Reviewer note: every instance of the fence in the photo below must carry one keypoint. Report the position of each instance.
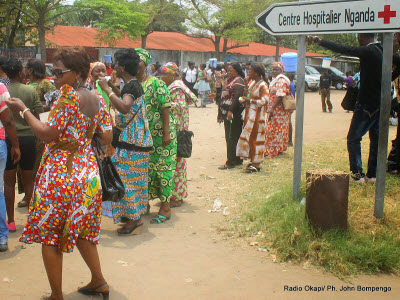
(22, 54)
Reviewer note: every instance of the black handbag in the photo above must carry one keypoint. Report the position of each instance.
(184, 143)
(113, 188)
(350, 99)
(116, 132)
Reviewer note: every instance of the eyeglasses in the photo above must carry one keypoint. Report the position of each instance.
(58, 73)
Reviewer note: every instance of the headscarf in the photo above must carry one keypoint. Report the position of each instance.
(92, 66)
(171, 68)
(279, 64)
(144, 55)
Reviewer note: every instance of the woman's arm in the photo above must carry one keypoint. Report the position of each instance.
(7, 119)
(105, 137)
(166, 140)
(122, 105)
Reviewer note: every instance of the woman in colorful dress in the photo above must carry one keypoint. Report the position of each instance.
(203, 85)
(66, 207)
(230, 112)
(252, 140)
(135, 143)
(181, 97)
(277, 134)
(162, 127)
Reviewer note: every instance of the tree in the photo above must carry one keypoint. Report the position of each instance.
(117, 19)
(41, 15)
(221, 21)
(163, 15)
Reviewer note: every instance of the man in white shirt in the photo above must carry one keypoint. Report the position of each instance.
(190, 76)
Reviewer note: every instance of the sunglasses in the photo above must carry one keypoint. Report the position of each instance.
(58, 73)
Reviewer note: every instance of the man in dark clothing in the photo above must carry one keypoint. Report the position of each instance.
(393, 163)
(325, 82)
(366, 112)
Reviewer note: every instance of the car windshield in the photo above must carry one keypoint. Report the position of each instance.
(336, 71)
(312, 70)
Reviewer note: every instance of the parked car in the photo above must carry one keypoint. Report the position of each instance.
(312, 77)
(338, 77)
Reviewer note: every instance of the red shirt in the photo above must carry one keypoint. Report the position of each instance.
(109, 71)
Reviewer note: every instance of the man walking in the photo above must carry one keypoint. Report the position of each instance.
(190, 76)
(325, 83)
(366, 112)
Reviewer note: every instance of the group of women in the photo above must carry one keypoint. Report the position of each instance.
(67, 202)
(264, 130)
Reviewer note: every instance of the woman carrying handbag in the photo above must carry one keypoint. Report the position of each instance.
(133, 145)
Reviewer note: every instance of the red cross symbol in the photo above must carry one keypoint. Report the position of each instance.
(386, 14)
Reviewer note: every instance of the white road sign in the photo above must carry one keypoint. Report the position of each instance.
(336, 16)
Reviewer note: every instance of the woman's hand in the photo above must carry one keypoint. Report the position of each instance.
(230, 116)
(270, 115)
(103, 83)
(15, 104)
(166, 140)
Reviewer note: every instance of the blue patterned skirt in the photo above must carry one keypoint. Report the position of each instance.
(132, 167)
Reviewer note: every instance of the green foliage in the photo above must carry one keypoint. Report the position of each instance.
(164, 15)
(118, 18)
(224, 19)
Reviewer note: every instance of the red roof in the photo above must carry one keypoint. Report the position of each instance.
(86, 37)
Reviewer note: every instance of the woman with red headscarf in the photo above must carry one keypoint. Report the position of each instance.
(276, 137)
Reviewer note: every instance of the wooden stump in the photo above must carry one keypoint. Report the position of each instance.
(327, 199)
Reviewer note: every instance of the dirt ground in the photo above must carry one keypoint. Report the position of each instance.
(186, 258)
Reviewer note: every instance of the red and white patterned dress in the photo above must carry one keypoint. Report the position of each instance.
(181, 97)
(277, 134)
(66, 202)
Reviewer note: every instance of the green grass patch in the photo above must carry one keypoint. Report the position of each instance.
(278, 223)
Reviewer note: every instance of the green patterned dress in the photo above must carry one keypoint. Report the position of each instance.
(162, 159)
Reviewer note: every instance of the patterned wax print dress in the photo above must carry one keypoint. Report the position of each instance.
(132, 158)
(181, 97)
(162, 159)
(252, 139)
(66, 202)
(277, 134)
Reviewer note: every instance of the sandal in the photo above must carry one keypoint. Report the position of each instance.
(23, 203)
(91, 292)
(252, 169)
(132, 230)
(226, 167)
(159, 219)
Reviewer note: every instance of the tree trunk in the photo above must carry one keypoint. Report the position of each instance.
(278, 46)
(217, 42)
(42, 34)
(13, 33)
(144, 40)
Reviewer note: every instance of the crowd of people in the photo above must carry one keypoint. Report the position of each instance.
(47, 129)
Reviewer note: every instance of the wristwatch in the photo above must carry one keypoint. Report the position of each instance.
(22, 113)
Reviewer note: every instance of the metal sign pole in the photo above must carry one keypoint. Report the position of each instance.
(298, 142)
(386, 87)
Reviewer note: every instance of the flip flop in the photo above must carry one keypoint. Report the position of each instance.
(252, 169)
(91, 292)
(133, 230)
(160, 219)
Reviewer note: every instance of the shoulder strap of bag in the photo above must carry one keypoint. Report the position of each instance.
(134, 115)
